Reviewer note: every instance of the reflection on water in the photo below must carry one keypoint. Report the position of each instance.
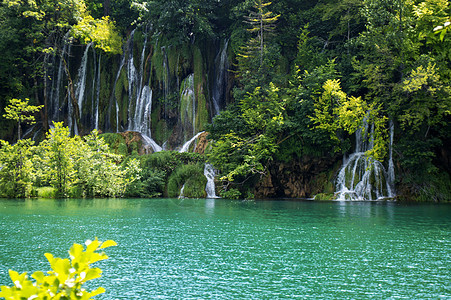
(216, 248)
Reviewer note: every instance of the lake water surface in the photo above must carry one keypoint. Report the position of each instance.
(215, 248)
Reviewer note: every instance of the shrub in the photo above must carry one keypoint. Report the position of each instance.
(65, 280)
(46, 192)
(192, 176)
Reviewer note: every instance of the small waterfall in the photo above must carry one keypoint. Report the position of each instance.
(360, 177)
(220, 81)
(181, 196)
(188, 104)
(210, 188)
(185, 146)
(391, 167)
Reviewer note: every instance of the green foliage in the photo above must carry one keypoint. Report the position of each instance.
(57, 158)
(324, 197)
(178, 21)
(46, 192)
(116, 143)
(76, 167)
(16, 169)
(192, 177)
(21, 112)
(426, 99)
(99, 174)
(102, 32)
(67, 278)
(246, 152)
(230, 194)
(158, 169)
(335, 111)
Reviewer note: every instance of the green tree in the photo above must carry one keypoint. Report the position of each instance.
(34, 32)
(58, 158)
(262, 22)
(335, 111)
(16, 169)
(21, 112)
(98, 171)
(179, 21)
(247, 151)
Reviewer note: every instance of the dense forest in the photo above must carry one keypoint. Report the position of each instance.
(285, 99)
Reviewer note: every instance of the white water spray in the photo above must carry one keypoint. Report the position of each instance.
(363, 178)
(210, 188)
(185, 146)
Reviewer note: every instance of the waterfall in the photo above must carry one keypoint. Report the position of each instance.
(96, 115)
(188, 103)
(210, 188)
(80, 86)
(185, 146)
(391, 167)
(220, 81)
(181, 196)
(150, 142)
(133, 82)
(69, 95)
(140, 98)
(361, 177)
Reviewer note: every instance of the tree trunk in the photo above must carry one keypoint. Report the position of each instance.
(106, 8)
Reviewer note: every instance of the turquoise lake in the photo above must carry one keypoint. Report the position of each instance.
(223, 249)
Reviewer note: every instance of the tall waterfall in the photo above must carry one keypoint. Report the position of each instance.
(54, 106)
(220, 81)
(140, 97)
(210, 188)
(218, 98)
(391, 166)
(361, 177)
(97, 95)
(188, 103)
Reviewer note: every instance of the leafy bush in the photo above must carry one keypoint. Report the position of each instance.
(151, 184)
(16, 171)
(230, 194)
(65, 280)
(192, 176)
(46, 192)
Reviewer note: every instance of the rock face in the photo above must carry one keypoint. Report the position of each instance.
(299, 179)
(166, 93)
(134, 142)
(202, 143)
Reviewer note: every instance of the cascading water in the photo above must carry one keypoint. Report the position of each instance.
(185, 146)
(361, 177)
(181, 196)
(97, 100)
(391, 167)
(80, 86)
(57, 81)
(220, 81)
(188, 104)
(140, 98)
(218, 98)
(210, 188)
